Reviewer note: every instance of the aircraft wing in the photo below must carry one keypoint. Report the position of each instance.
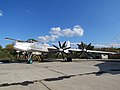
(102, 52)
(42, 49)
(52, 49)
(75, 50)
(92, 51)
(37, 50)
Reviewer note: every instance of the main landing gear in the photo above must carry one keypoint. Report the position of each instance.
(29, 61)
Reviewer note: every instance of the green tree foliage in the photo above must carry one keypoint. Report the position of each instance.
(8, 52)
(9, 48)
(2, 53)
(0, 47)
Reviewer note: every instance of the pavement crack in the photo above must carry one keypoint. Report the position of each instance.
(45, 85)
(57, 72)
(57, 78)
(25, 83)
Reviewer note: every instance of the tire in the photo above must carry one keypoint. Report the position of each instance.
(69, 59)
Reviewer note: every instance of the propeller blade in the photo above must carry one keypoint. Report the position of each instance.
(82, 45)
(88, 46)
(89, 54)
(64, 44)
(80, 54)
(62, 56)
(57, 54)
(59, 44)
(65, 53)
(56, 47)
(79, 47)
(66, 48)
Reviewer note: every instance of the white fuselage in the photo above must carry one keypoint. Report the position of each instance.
(30, 47)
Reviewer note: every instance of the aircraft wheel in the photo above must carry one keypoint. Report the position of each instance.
(69, 59)
(30, 61)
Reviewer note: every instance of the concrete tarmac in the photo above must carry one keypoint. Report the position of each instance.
(82, 75)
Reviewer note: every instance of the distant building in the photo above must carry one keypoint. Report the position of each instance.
(104, 56)
(101, 56)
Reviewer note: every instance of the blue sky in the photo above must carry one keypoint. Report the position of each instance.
(24, 19)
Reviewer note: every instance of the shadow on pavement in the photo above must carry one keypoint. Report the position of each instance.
(12, 61)
(112, 67)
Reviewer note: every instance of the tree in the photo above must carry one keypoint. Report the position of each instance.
(0, 47)
(9, 47)
(9, 50)
(2, 53)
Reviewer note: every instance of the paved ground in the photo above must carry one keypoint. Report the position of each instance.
(82, 75)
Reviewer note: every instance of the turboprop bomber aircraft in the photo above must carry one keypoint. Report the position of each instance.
(34, 47)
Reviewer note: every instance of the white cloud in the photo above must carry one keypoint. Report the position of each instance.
(1, 13)
(75, 31)
(58, 32)
(47, 38)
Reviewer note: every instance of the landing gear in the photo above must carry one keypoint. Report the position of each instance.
(29, 61)
(39, 58)
(69, 59)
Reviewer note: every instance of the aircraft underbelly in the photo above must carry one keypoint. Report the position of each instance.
(20, 48)
(39, 49)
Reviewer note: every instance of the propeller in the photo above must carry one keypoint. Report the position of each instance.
(84, 49)
(61, 49)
